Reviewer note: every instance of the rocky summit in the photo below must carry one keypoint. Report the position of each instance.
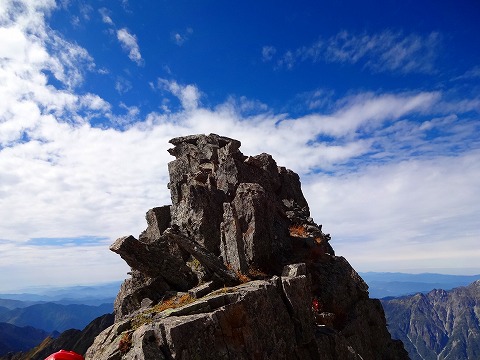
(236, 268)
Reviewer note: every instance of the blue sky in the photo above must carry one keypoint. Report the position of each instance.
(375, 105)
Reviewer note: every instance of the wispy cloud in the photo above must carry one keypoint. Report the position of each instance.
(386, 51)
(122, 85)
(125, 4)
(105, 13)
(317, 99)
(85, 10)
(470, 74)
(268, 52)
(131, 116)
(189, 95)
(129, 44)
(127, 40)
(180, 38)
(75, 21)
(69, 62)
(75, 241)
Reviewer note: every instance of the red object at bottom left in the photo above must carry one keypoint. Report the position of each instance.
(65, 355)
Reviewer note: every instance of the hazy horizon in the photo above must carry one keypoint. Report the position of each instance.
(40, 289)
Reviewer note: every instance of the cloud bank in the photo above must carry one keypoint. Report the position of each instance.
(392, 176)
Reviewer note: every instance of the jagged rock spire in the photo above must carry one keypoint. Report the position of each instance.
(241, 209)
(238, 219)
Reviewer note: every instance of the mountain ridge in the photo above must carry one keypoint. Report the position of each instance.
(72, 339)
(78, 294)
(385, 284)
(15, 338)
(439, 324)
(54, 317)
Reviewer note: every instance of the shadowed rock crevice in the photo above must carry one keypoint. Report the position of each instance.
(236, 268)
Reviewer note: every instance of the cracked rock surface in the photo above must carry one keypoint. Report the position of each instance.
(236, 268)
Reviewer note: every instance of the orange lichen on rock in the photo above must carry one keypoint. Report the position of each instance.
(298, 231)
(125, 342)
(174, 302)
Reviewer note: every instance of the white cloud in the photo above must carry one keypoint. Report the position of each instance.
(122, 85)
(49, 266)
(388, 198)
(80, 180)
(75, 21)
(288, 60)
(27, 55)
(179, 38)
(419, 213)
(106, 16)
(70, 61)
(386, 51)
(189, 95)
(129, 44)
(26, 14)
(25, 49)
(268, 52)
(318, 99)
(470, 74)
(85, 10)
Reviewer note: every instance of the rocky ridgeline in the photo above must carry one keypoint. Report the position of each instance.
(236, 268)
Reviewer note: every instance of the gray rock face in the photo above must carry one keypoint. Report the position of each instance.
(237, 207)
(235, 268)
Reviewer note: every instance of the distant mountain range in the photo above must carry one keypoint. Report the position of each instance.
(27, 318)
(54, 317)
(383, 284)
(438, 325)
(39, 315)
(73, 339)
(24, 326)
(87, 295)
(14, 338)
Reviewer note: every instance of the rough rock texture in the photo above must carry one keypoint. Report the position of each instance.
(235, 268)
(438, 325)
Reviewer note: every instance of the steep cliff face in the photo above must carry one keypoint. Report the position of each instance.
(236, 268)
(438, 325)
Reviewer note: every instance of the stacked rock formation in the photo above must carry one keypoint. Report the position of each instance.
(236, 268)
